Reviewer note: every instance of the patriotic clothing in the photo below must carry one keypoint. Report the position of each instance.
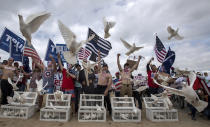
(68, 82)
(150, 80)
(117, 84)
(48, 77)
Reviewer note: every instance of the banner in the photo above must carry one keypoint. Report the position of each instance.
(60, 49)
(17, 44)
(51, 50)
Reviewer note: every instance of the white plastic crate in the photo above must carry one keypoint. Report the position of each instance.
(60, 115)
(162, 115)
(92, 115)
(160, 104)
(30, 99)
(64, 102)
(91, 108)
(17, 111)
(124, 110)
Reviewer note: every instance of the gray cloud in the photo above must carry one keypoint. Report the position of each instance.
(137, 21)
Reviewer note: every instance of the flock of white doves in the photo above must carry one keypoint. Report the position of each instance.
(34, 21)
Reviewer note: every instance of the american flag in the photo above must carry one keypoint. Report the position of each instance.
(83, 54)
(30, 51)
(97, 44)
(160, 50)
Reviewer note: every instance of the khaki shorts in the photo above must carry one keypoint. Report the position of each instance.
(126, 89)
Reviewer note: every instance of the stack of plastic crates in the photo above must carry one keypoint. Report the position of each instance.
(124, 110)
(23, 110)
(56, 109)
(159, 111)
(91, 108)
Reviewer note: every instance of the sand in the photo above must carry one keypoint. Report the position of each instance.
(184, 121)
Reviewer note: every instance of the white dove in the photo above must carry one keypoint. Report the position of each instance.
(142, 88)
(98, 108)
(124, 116)
(87, 69)
(174, 33)
(189, 94)
(32, 24)
(52, 106)
(131, 48)
(14, 85)
(107, 25)
(58, 95)
(16, 97)
(40, 87)
(73, 46)
(87, 116)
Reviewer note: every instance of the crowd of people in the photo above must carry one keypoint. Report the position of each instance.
(100, 81)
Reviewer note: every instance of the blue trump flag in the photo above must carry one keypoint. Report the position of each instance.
(169, 60)
(51, 50)
(60, 49)
(13, 44)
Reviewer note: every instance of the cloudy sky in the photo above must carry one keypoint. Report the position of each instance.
(137, 21)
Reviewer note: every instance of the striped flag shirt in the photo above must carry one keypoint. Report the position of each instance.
(160, 50)
(97, 44)
(117, 83)
(30, 51)
(83, 54)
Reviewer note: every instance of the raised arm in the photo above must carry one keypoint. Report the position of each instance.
(118, 62)
(136, 65)
(148, 64)
(41, 67)
(99, 59)
(59, 62)
(53, 63)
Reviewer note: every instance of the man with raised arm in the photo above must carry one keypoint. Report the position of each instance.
(104, 83)
(6, 88)
(125, 73)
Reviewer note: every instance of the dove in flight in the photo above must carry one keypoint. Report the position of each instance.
(73, 46)
(14, 85)
(32, 24)
(174, 33)
(189, 94)
(87, 69)
(107, 25)
(40, 87)
(131, 48)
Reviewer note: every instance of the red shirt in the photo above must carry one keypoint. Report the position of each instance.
(68, 82)
(150, 80)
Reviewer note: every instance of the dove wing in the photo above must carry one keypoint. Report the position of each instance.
(178, 37)
(35, 21)
(137, 48)
(125, 43)
(70, 58)
(174, 91)
(111, 24)
(104, 22)
(67, 34)
(192, 78)
(10, 81)
(170, 30)
(39, 84)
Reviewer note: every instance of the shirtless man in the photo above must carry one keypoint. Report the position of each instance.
(6, 88)
(104, 83)
(125, 73)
